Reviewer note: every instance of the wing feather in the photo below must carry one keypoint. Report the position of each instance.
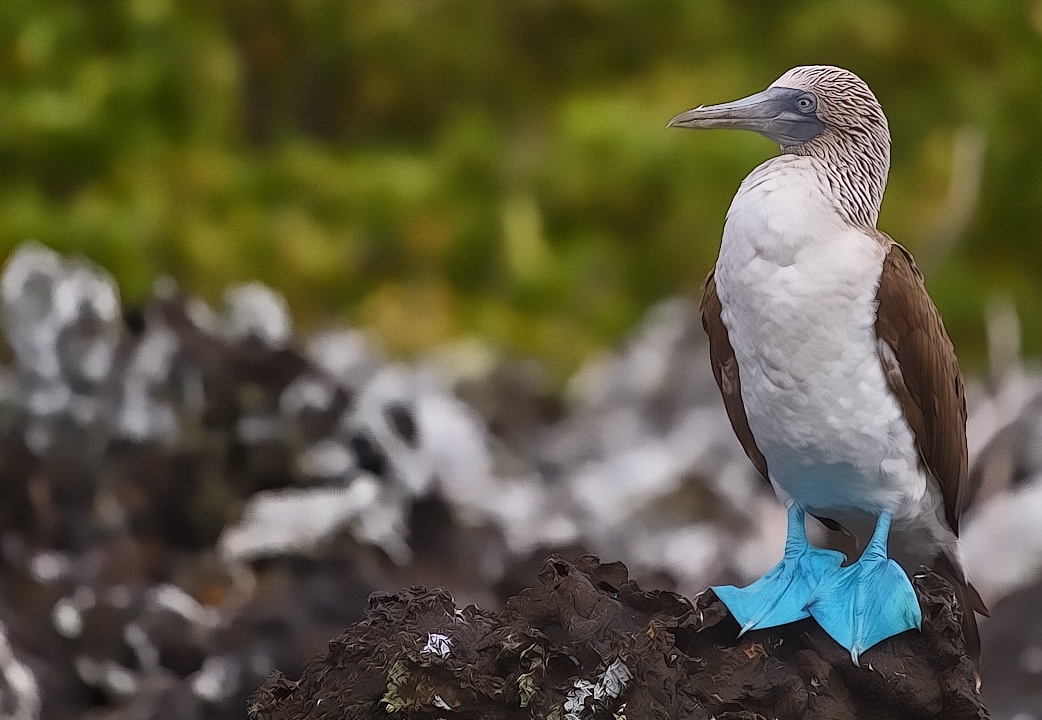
(921, 368)
(725, 369)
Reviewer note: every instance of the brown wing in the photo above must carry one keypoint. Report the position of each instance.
(921, 369)
(725, 369)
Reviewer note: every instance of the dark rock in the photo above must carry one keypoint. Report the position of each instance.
(369, 455)
(586, 641)
(403, 421)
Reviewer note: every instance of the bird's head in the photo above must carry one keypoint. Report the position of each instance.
(819, 111)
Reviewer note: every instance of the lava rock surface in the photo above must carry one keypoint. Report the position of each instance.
(587, 642)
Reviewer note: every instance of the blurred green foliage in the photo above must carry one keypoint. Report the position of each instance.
(436, 168)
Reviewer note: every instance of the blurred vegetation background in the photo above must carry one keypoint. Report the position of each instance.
(434, 169)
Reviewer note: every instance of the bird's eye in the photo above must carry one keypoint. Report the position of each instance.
(806, 103)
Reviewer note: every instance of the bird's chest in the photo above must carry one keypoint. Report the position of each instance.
(798, 289)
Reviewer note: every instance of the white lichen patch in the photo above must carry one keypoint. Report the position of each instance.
(609, 686)
(438, 644)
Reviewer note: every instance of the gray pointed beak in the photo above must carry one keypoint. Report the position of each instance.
(771, 113)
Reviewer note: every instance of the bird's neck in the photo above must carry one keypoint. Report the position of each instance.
(859, 195)
(856, 174)
(782, 209)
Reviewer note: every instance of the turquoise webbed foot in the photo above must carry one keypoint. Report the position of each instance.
(868, 601)
(783, 595)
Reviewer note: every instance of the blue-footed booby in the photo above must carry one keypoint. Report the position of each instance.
(835, 369)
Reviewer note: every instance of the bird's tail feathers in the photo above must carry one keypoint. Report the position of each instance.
(970, 602)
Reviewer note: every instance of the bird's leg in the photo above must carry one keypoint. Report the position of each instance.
(868, 601)
(782, 595)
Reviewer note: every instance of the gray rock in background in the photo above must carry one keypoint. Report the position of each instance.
(191, 497)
